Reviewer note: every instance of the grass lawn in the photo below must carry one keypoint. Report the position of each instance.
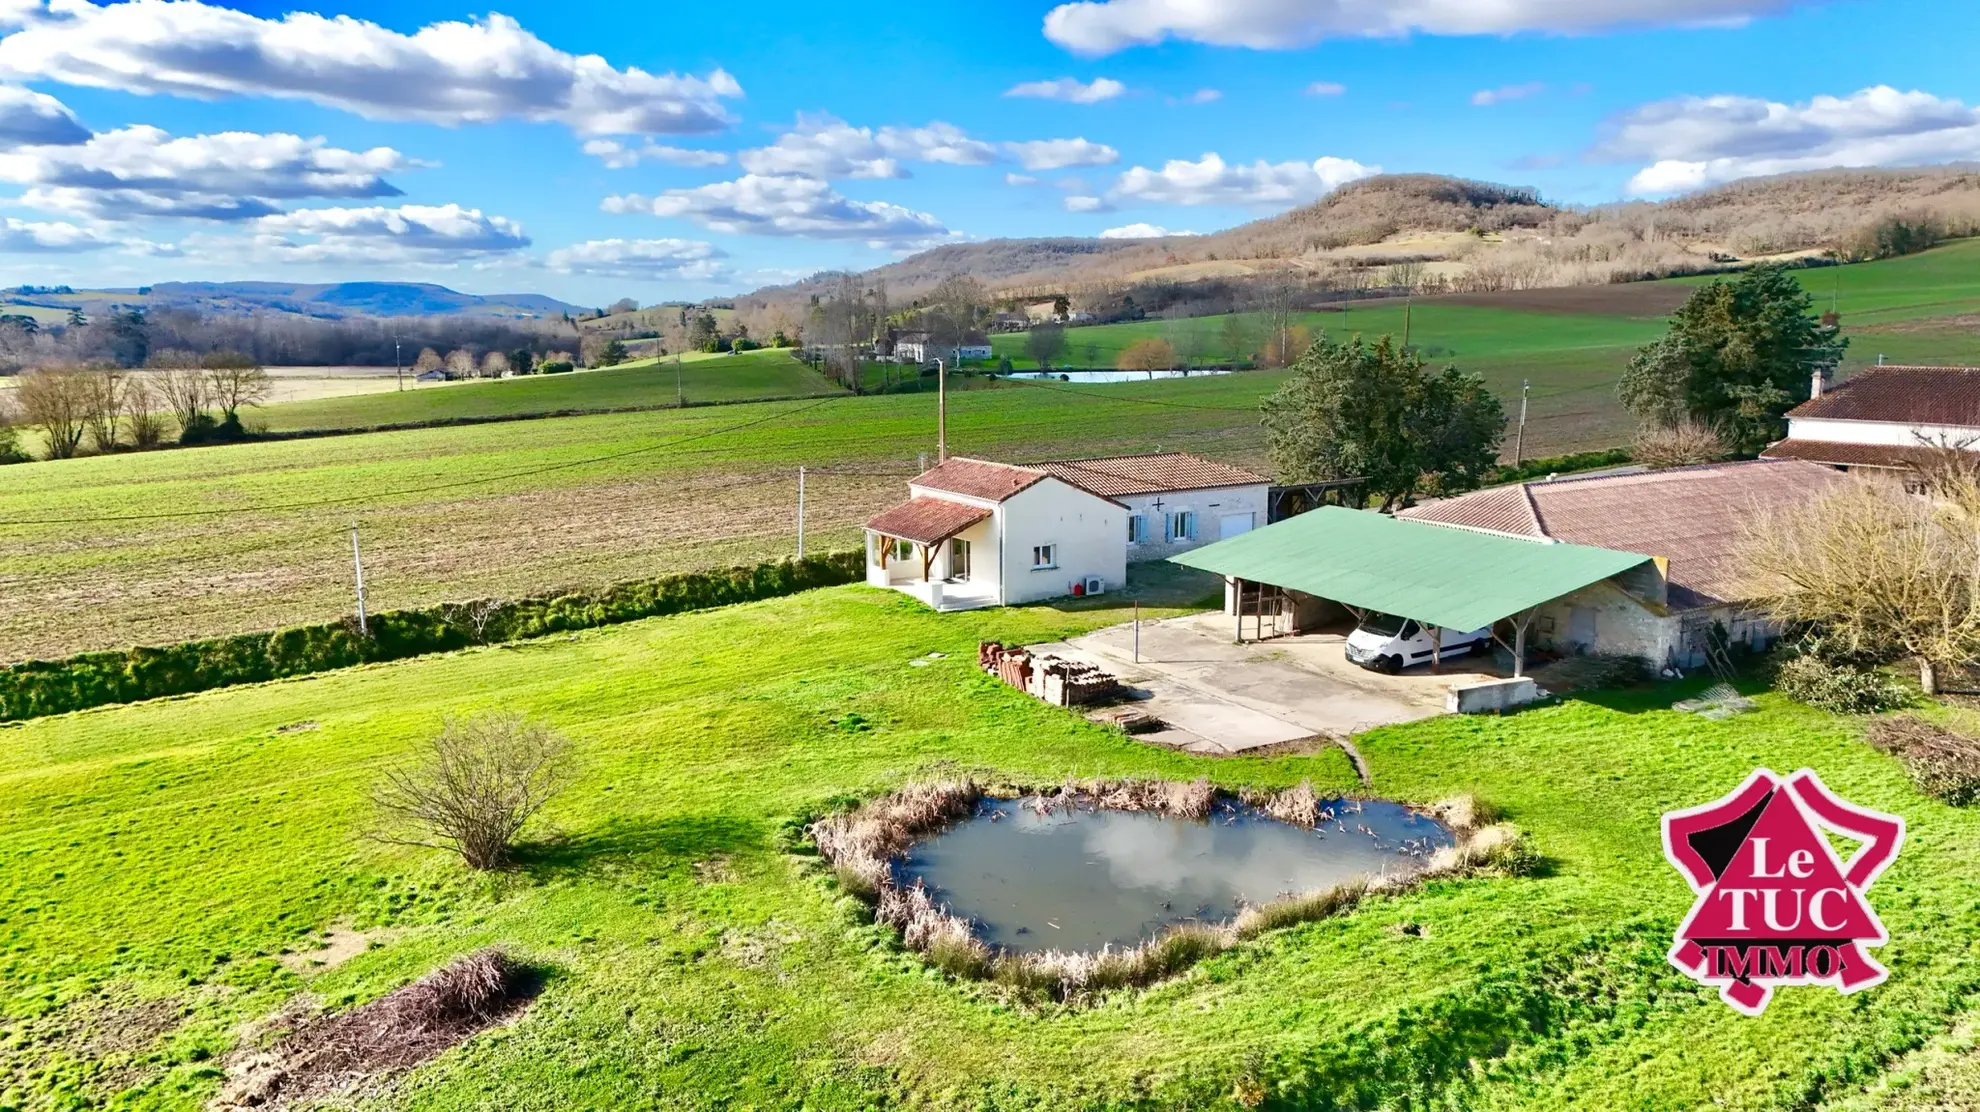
(172, 851)
(741, 377)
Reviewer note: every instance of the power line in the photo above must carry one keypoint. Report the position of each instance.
(379, 496)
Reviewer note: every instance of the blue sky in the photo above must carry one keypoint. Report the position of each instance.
(598, 150)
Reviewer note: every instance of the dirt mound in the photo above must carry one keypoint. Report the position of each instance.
(315, 1055)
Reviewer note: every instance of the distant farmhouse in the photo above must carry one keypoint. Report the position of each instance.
(920, 347)
(978, 533)
(1885, 418)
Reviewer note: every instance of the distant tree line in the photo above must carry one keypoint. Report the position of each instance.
(127, 338)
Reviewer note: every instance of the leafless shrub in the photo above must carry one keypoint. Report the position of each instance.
(476, 788)
(1880, 573)
(1944, 764)
(322, 1055)
(860, 846)
(1682, 444)
(140, 407)
(101, 390)
(472, 618)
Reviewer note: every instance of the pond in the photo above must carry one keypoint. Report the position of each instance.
(1114, 376)
(1080, 879)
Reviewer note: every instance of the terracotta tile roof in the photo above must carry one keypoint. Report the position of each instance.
(977, 478)
(1692, 516)
(1115, 476)
(1504, 509)
(926, 520)
(1912, 395)
(1848, 455)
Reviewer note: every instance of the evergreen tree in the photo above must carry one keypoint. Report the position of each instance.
(1739, 354)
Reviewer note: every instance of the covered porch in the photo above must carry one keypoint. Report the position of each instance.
(938, 551)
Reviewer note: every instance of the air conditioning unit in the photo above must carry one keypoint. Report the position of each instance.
(1095, 585)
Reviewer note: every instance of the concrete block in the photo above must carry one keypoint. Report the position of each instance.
(1487, 696)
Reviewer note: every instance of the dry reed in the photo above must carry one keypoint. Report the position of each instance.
(860, 846)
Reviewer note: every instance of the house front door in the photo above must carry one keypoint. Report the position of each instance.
(958, 559)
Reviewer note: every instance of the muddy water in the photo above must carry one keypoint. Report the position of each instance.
(1080, 880)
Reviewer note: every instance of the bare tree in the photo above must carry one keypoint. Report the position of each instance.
(429, 360)
(1682, 443)
(10, 420)
(235, 380)
(957, 307)
(101, 388)
(473, 618)
(475, 787)
(1187, 337)
(494, 365)
(1878, 571)
(54, 401)
(181, 385)
(141, 400)
(1151, 354)
(1045, 343)
(460, 363)
(1277, 300)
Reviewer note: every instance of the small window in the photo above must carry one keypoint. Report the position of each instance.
(1182, 525)
(1138, 529)
(1044, 556)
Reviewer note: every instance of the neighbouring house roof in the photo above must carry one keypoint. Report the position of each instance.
(1842, 454)
(1692, 516)
(1455, 578)
(1117, 476)
(1910, 395)
(977, 478)
(926, 520)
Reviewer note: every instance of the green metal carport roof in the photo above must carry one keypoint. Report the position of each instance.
(1455, 578)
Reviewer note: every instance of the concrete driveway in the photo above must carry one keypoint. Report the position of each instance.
(1215, 696)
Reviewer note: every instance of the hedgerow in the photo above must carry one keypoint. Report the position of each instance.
(41, 687)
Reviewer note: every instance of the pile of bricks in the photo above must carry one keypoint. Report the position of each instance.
(1062, 683)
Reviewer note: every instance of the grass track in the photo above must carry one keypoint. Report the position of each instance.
(172, 850)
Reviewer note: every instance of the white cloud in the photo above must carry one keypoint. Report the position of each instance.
(787, 205)
(827, 147)
(619, 156)
(1484, 98)
(1211, 181)
(1142, 231)
(234, 175)
(1105, 26)
(1325, 89)
(1020, 179)
(28, 118)
(1057, 154)
(1081, 203)
(24, 237)
(1697, 141)
(653, 260)
(377, 234)
(1069, 89)
(1202, 96)
(446, 73)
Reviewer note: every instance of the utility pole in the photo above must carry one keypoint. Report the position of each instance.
(357, 562)
(800, 513)
(680, 399)
(941, 412)
(1519, 438)
(1407, 303)
(398, 365)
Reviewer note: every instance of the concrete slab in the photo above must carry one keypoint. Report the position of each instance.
(1217, 696)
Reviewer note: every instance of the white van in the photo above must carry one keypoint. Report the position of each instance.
(1387, 643)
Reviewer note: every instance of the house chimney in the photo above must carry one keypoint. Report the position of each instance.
(1821, 382)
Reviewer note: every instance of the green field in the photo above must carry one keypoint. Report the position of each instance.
(517, 508)
(729, 378)
(162, 856)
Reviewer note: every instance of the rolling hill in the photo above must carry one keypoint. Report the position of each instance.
(339, 299)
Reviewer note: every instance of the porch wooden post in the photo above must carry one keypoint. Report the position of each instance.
(927, 560)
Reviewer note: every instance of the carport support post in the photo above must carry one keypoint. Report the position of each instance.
(1238, 608)
(1436, 649)
(1137, 631)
